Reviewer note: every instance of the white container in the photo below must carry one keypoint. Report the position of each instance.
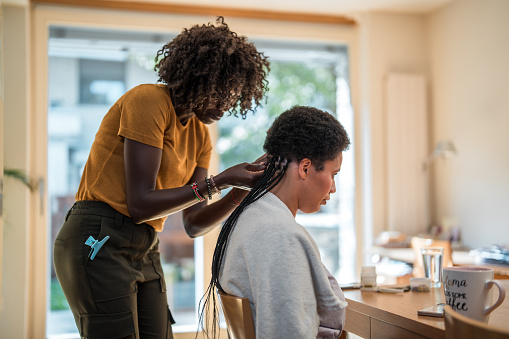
(368, 276)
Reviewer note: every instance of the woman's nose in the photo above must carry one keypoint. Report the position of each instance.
(333, 187)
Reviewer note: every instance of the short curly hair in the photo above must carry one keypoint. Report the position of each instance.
(306, 132)
(212, 62)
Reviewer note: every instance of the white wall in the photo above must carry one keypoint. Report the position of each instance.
(469, 47)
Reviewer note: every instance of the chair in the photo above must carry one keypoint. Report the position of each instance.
(237, 313)
(417, 243)
(459, 326)
(239, 319)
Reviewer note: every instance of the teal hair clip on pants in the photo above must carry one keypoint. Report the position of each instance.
(96, 245)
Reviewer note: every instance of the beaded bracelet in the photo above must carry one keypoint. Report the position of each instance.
(208, 188)
(197, 193)
(213, 184)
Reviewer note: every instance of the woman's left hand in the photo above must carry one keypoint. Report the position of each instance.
(200, 219)
(244, 175)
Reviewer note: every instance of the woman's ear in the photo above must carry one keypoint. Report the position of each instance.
(304, 167)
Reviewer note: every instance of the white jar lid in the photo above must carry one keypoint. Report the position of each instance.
(368, 270)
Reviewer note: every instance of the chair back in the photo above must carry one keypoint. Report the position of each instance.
(417, 243)
(459, 326)
(238, 316)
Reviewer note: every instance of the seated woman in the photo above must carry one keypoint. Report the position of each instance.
(263, 254)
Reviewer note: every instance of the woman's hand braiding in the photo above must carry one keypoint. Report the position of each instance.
(244, 175)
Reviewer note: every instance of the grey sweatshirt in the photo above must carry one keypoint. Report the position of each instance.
(275, 263)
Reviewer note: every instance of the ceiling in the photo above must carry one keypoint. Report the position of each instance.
(65, 40)
(329, 7)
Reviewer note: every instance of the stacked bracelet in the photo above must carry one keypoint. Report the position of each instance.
(197, 193)
(208, 188)
(213, 185)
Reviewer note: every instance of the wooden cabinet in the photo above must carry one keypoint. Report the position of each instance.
(394, 315)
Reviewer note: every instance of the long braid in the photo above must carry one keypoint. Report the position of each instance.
(272, 175)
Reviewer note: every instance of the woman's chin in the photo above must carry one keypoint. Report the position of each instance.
(310, 211)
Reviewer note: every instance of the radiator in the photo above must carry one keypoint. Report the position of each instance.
(407, 148)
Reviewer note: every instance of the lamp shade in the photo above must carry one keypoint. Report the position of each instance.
(444, 149)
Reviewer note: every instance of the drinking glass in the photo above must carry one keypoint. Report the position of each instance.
(432, 258)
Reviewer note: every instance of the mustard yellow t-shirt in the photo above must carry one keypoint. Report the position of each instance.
(145, 114)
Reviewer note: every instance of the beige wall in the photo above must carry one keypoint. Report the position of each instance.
(470, 81)
(463, 50)
(16, 267)
(1, 142)
(388, 43)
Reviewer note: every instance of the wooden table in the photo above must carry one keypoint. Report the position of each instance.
(394, 315)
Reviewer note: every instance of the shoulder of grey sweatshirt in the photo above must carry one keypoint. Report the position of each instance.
(274, 262)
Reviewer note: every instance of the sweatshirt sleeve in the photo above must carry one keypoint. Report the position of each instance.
(332, 322)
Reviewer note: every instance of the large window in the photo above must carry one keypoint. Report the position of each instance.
(90, 69)
(311, 75)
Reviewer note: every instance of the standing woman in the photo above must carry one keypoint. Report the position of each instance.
(150, 159)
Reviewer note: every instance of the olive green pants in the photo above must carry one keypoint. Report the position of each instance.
(116, 290)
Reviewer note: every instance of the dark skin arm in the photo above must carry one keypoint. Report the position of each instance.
(145, 203)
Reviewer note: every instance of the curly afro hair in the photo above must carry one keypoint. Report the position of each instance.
(212, 62)
(306, 132)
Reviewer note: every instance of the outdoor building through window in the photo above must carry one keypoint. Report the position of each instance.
(89, 69)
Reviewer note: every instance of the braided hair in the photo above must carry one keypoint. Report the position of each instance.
(212, 62)
(298, 133)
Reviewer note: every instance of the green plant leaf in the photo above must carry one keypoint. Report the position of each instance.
(20, 176)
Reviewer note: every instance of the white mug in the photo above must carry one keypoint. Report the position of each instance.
(468, 291)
